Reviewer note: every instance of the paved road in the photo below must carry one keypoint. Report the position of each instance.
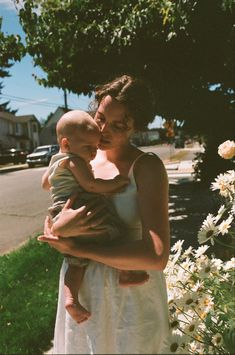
(23, 204)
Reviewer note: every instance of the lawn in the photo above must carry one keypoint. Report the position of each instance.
(28, 287)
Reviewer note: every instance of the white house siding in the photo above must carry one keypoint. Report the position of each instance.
(16, 132)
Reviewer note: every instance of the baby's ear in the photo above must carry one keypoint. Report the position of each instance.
(64, 143)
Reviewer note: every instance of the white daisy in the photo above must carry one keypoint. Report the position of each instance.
(187, 252)
(177, 246)
(225, 225)
(205, 305)
(229, 265)
(176, 344)
(217, 263)
(220, 213)
(199, 285)
(224, 183)
(188, 301)
(208, 229)
(206, 269)
(192, 328)
(200, 251)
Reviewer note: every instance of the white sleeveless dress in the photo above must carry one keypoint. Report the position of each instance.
(132, 320)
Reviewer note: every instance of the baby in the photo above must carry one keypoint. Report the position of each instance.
(70, 173)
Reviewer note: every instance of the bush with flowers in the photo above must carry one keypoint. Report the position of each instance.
(220, 228)
(201, 288)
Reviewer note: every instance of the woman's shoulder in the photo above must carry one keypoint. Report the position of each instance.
(149, 166)
(148, 160)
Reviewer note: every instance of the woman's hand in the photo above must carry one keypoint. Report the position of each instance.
(63, 245)
(86, 220)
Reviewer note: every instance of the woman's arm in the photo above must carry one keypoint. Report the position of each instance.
(153, 250)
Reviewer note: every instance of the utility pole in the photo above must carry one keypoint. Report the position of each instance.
(65, 100)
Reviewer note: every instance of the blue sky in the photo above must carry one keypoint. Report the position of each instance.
(24, 93)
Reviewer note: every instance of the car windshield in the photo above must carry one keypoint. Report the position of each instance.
(41, 149)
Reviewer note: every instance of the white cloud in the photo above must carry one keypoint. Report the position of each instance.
(7, 4)
(11, 4)
(31, 102)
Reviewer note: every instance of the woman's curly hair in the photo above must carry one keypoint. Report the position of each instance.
(134, 93)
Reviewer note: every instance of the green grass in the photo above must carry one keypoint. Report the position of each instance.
(28, 298)
(178, 156)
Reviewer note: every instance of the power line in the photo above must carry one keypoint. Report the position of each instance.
(27, 100)
(34, 101)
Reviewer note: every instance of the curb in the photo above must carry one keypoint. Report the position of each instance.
(12, 168)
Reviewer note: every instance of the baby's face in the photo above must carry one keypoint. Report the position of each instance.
(84, 144)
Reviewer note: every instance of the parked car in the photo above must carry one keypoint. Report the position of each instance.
(13, 155)
(42, 155)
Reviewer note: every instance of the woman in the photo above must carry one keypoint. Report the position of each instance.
(131, 320)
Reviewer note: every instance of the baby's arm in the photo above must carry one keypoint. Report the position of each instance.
(45, 183)
(83, 174)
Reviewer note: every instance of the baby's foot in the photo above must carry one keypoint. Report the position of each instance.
(132, 278)
(77, 311)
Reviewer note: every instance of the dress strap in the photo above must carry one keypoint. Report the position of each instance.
(133, 164)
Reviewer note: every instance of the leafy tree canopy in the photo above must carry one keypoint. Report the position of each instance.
(182, 47)
(11, 50)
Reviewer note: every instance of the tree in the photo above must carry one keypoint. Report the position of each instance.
(11, 50)
(183, 48)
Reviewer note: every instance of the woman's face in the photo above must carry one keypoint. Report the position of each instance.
(115, 124)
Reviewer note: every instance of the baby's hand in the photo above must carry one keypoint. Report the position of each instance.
(121, 180)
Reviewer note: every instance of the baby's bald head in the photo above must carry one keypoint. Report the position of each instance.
(75, 121)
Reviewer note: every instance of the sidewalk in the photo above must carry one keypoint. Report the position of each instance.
(180, 171)
(184, 166)
(9, 168)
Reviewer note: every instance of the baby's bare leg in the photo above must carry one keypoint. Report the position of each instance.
(132, 278)
(72, 283)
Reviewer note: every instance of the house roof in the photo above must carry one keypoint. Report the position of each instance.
(27, 118)
(54, 117)
(18, 119)
(7, 116)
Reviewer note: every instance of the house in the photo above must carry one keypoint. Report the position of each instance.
(48, 132)
(18, 131)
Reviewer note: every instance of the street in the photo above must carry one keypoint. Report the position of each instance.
(23, 203)
(23, 206)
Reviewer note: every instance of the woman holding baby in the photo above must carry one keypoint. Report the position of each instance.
(124, 320)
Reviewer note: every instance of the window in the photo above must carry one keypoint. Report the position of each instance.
(17, 128)
(34, 128)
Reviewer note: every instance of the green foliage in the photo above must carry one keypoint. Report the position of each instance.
(11, 50)
(28, 284)
(82, 43)
(183, 48)
(229, 339)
